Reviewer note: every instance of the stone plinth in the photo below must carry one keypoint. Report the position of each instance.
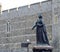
(42, 48)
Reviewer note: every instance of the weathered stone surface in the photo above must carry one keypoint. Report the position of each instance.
(21, 22)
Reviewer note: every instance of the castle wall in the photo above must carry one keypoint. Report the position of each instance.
(21, 22)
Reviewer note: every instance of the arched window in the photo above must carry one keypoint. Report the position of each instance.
(56, 19)
(8, 26)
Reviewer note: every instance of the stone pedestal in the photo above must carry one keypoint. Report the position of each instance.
(42, 48)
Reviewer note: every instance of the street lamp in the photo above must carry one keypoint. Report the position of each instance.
(26, 44)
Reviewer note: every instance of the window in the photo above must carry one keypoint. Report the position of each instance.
(56, 19)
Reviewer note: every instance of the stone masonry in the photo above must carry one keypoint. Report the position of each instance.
(20, 23)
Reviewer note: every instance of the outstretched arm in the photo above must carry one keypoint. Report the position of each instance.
(33, 27)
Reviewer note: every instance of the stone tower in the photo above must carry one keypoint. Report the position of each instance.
(56, 26)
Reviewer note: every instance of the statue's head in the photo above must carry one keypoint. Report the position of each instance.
(40, 17)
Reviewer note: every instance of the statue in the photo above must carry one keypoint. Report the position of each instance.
(41, 34)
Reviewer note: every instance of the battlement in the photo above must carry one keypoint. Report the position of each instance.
(27, 10)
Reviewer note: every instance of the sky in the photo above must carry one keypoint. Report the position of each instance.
(8, 4)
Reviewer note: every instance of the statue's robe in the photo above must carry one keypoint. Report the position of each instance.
(41, 34)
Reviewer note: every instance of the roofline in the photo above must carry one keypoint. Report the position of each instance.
(46, 1)
(27, 5)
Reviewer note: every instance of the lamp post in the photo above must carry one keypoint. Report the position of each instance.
(26, 44)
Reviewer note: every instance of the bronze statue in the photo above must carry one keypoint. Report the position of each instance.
(41, 34)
